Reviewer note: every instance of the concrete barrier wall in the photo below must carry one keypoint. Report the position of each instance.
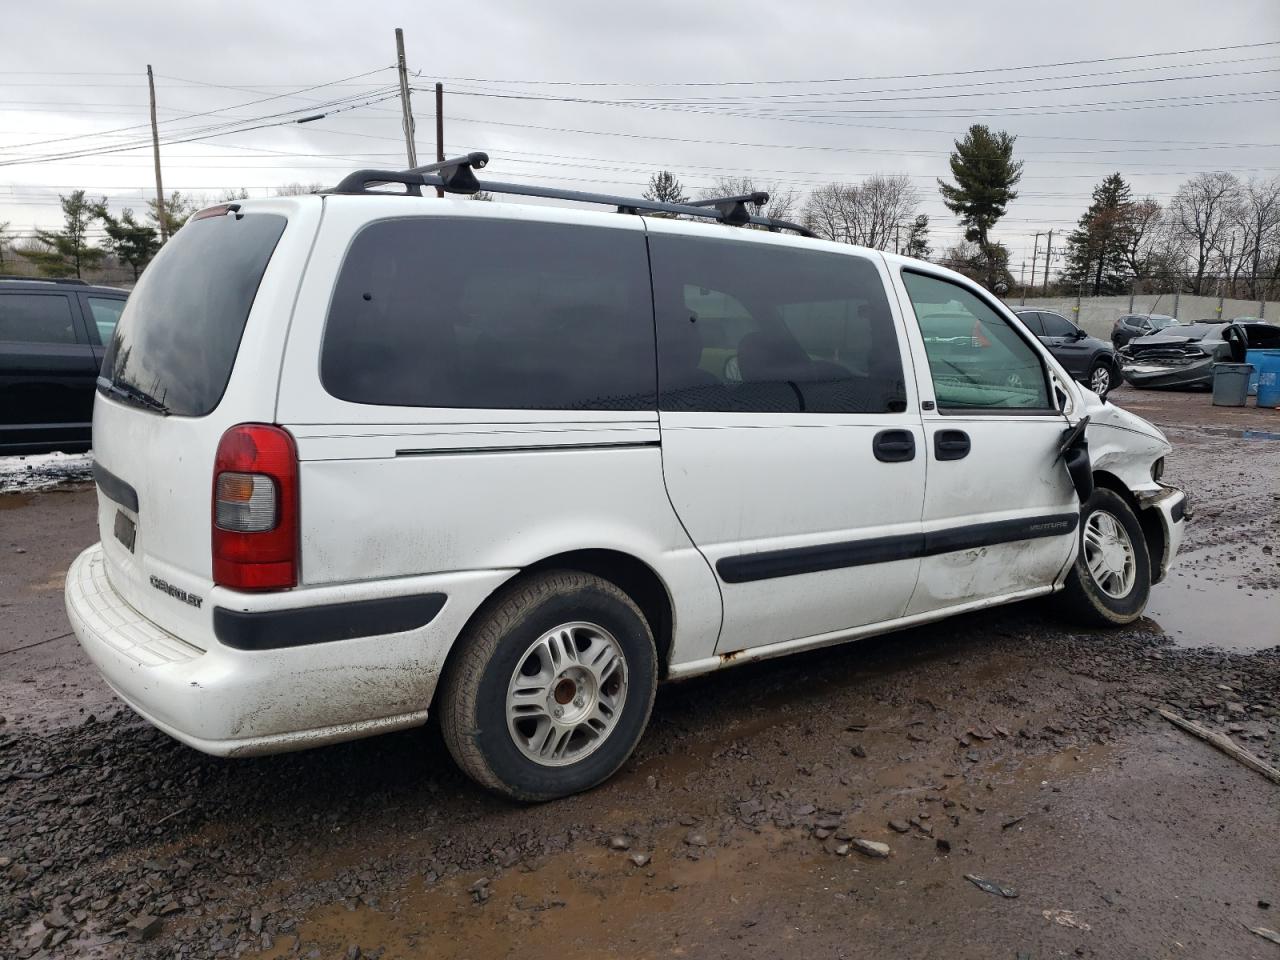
(1098, 314)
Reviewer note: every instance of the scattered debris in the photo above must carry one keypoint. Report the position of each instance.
(695, 839)
(619, 843)
(143, 927)
(1066, 918)
(990, 886)
(872, 848)
(1264, 932)
(899, 826)
(1012, 823)
(1223, 743)
(640, 859)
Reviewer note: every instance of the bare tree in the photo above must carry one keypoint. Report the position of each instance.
(296, 189)
(1260, 231)
(783, 200)
(1143, 236)
(1200, 218)
(876, 213)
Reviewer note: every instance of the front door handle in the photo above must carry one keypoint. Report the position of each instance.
(950, 445)
(894, 446)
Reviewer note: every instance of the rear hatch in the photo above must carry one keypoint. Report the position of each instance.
(196, 351)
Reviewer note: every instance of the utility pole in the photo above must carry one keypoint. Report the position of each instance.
(439, 129)
(1035, 258)
(161, 214)
(405, 108)
(1047, 250)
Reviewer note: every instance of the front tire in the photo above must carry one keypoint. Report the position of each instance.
(551, 687)
(1102, 378)
(1111, 578)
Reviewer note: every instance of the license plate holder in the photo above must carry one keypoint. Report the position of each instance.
(126, 530)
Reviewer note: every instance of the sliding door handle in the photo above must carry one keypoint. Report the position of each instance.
(894, 446)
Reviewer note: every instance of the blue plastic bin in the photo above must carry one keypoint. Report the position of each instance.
(1256, 358)
(1268, 378)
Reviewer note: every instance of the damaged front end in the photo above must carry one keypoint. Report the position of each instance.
(1127, 454)
(1166, 364)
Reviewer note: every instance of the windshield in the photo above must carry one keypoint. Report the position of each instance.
(1159, 323)
(178, 337)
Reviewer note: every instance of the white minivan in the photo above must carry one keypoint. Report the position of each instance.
(363, 456)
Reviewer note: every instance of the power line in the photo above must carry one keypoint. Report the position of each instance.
(863, 79)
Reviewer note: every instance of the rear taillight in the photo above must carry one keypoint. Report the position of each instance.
(255, 509)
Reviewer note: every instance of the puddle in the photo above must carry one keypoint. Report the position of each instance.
(1195, 612)
(1239, 434)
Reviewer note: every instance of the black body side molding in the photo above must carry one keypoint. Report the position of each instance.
(274, 629)
(908, 546)
(115, 488)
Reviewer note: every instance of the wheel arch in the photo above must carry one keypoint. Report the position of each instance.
(631, 575)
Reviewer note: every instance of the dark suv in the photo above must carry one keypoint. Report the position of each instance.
(1138, 325)
(1087, 359)
(52, 336)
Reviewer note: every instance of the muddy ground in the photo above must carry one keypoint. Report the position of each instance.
(1003, 746)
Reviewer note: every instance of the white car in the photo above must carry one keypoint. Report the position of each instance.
(361, 457)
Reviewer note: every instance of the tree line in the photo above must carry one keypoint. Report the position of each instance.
(129, 242)
(1216, 234)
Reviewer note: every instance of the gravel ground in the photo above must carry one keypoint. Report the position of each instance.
(1031, 802)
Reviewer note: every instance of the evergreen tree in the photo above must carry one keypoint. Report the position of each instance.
(67, 252)
(178, 208)
(918, 239)
(129, 241)
(665, 188)
(1097, 249)
(985, 174)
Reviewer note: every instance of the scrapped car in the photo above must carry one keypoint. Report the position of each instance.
(1090, 360)
(52, 337)
(363, 457)
(1184, 355)
(1138, 325)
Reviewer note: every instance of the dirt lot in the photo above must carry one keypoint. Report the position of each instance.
(1002, 746)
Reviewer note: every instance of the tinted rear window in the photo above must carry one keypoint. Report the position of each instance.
(442, 312)
(178, 337)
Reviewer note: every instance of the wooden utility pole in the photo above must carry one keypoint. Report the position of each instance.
(1047, 250)
(439, 129)
(161, 214)
(406, 109)
(1035, 257)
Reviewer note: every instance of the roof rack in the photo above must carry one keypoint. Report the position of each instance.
(75, 281)
(457, 175)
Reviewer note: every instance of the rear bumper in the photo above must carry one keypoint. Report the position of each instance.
(232, 702)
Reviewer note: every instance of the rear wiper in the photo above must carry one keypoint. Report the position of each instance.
(131, 394)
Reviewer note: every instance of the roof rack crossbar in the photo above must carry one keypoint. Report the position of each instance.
(729, 210)
(734, 210)
(455, 175)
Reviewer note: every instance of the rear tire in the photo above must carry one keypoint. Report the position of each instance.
(551, 687)
(1111, 578)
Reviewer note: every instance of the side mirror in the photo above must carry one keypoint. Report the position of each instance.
(1079, 334)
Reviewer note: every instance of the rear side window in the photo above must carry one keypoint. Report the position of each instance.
(180, 332)
(105, 314)
(492, 314)
(976, 358)
(768, 329)
(36, 318)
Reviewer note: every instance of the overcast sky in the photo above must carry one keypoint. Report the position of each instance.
(694, 88)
